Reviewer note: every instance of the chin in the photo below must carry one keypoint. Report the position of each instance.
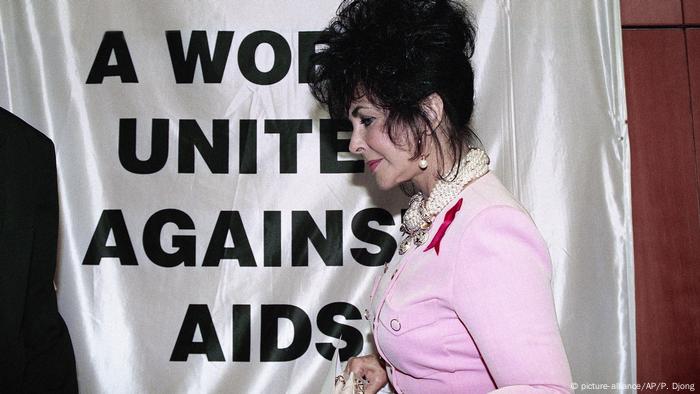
(386, 185)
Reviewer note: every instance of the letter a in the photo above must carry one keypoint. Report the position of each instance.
(113, 41)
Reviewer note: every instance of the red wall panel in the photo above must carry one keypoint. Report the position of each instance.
(691, 11)
(651, 12)
(692, 37)
(666, 216)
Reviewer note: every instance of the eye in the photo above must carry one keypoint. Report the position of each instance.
(366, 121)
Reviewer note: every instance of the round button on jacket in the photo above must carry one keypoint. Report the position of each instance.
(395, 324)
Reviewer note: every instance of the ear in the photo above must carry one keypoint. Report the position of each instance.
(433, 107)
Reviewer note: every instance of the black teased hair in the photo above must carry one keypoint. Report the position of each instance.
(397, 53)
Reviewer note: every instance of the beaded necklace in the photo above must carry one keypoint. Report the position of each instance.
(421, 212)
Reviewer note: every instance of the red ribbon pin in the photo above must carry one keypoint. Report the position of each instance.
(449, 217)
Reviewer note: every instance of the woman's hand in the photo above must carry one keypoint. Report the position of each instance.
(370, 368)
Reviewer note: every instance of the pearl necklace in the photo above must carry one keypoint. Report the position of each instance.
(420, 213)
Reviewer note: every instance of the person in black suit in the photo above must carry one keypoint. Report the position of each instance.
(36, 354)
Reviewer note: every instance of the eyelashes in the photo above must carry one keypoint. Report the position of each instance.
(366, 121)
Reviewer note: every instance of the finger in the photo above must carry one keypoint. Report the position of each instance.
(377, 378)
(374, 385)
(358, 370)
(352, 362)
(355, 365)
(369, 390)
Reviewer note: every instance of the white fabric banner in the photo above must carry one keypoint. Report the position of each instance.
(216, 236)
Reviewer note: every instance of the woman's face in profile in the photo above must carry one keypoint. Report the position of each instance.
(389, 163)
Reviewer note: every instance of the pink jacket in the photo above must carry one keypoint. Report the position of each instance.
(480, 315)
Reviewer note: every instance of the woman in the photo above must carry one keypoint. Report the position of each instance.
(469, 307)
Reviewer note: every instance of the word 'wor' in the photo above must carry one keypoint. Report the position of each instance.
(213, 64)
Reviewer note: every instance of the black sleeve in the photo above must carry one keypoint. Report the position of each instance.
(50, 363)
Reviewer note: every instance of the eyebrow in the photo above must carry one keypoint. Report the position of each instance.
(354, 111)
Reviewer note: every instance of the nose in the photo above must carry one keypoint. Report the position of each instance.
(357, 141)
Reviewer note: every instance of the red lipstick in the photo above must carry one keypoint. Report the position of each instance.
(372, 164)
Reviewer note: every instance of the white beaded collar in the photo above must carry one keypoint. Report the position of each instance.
(421, 212)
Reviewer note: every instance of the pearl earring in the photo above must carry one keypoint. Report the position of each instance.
(423, 163)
